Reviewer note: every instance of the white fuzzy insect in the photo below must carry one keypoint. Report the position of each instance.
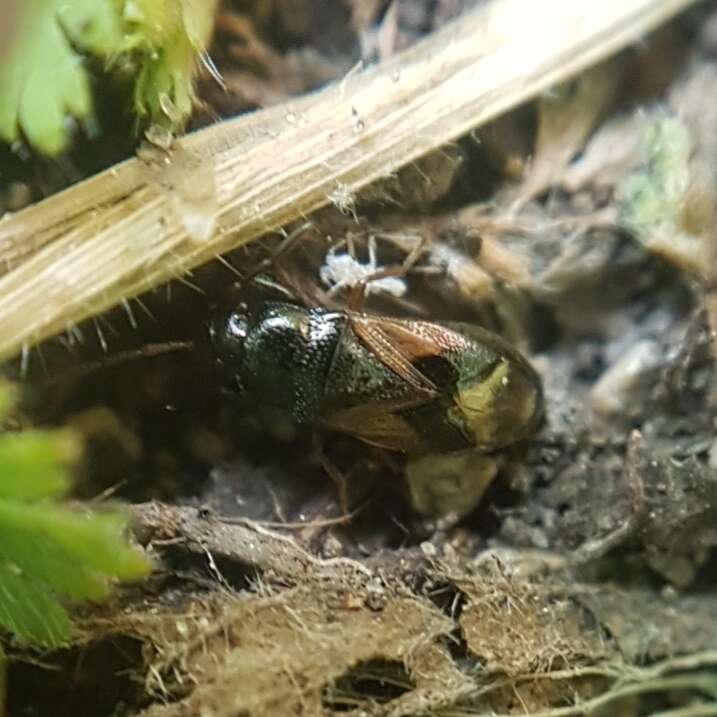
(341, 270)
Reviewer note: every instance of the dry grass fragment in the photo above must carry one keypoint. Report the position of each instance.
(155, 217)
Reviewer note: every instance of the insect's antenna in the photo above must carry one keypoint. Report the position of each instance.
(146, 351)
(286, 245)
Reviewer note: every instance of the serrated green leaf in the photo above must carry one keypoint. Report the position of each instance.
(94, 25)
(93, 541)
(48, 550)
(42, 79)
(40, 82)
(30, 611)
(33, 463)
(37, 554)
(163, 90)
(167, 36)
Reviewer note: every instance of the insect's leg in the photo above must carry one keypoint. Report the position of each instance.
(358, 290)
(372, 251)
(350, 246)
(338, 478)
(415, 254)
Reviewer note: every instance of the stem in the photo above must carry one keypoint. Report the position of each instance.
(153, 218)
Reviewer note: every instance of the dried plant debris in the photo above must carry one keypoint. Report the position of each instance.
(256, 72)
(284, 653)
(420, 185)
(265, 52)
(454, 638)
(566, 117)
(543, 632)
(386, 26)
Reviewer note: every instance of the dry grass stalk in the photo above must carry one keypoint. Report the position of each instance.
(154, 218)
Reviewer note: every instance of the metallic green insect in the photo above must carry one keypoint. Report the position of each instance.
(416, 387)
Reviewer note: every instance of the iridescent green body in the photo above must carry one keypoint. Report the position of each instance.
(416, 387)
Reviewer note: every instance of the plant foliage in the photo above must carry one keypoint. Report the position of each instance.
(50, 551)
(653, 197)
(43, 79)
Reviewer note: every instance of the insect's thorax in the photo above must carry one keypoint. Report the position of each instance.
(288, 355)
(358, 377)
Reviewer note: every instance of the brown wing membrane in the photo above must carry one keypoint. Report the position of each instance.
(397, 344)
(420, 339)
(377, 424)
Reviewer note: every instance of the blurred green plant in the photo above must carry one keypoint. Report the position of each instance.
(43, 80)
(51, 551)
(653, 196)
(670, 202)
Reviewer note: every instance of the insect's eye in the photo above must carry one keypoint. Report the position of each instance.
(228, 333)
(237, 327)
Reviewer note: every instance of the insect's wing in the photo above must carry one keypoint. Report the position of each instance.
(479, 393)
(379, 424)
(399, 344)
(379, 416)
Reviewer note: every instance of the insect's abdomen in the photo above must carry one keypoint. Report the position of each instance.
(367, 399)
(497, 398)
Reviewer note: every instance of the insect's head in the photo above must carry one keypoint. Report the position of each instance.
(228, 333)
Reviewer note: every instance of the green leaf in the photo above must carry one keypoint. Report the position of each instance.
(50, 551)
(166, 36)
(33, 463)
(34, 550)
(29, 611)
(652, 197)
(92, 541)
(42, 79)
(93, 25)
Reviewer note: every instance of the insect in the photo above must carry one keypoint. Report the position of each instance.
(416, 387)
(342, 269)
